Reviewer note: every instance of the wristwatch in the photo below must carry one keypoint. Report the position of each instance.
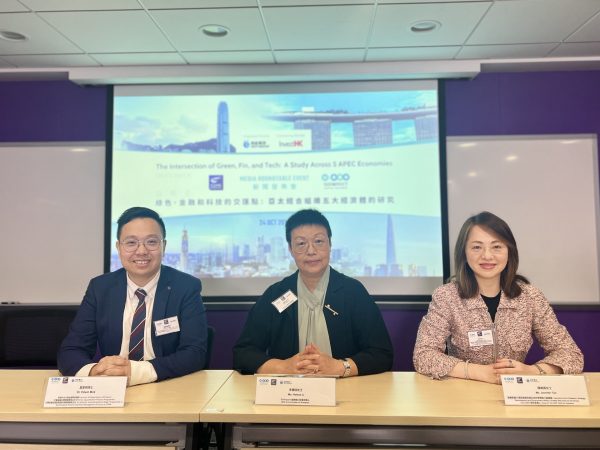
(347, 368)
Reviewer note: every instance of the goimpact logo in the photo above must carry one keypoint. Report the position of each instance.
(333, 177)
(215, 182)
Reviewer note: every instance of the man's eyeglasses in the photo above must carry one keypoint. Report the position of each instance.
(301, 245)
(131, 245)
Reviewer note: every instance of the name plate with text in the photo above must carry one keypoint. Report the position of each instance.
(85, 392)
(546, 390)
(295, 390)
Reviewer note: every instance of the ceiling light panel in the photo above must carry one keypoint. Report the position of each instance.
(182, 26)
(42, 37)
(392, 26)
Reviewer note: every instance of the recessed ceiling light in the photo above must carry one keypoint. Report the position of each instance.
(215, 30)
(425, 26)
(12, 36)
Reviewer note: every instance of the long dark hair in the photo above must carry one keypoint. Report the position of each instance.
(465, 278)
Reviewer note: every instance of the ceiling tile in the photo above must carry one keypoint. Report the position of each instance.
(318, 27)
(51, 60)
(182, 27)
(138, 59)
(425, 1)
(81, 5)
(248, 57)
(42, 37)
(314, 2)
(320, 56)
(411, 53)
(176, 4)
(12, 6)
(392, 24)
(577, 49)
(505, 51)
(589, 32)
(110, 31)
(532, 21)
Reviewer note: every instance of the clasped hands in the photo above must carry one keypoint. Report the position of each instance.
(506, 366)
(112, 366)
(311, 360)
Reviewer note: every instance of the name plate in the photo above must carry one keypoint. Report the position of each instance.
(295, 390)
(547, 390)
(85, 392)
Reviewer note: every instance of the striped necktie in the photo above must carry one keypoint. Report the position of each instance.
(136, 339)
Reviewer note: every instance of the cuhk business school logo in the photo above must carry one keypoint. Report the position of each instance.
(215, 182)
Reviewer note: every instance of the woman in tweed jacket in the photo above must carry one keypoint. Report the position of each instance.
(480, 325)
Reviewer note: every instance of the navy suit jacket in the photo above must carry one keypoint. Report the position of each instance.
(356, 331)
(98, 324)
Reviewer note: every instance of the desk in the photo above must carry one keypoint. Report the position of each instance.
(404, 408)
(153, 413)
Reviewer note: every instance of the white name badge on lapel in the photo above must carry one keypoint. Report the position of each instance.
(166, 326)
(85, 392)
(554, 390)
(283, 302)
(480, 338)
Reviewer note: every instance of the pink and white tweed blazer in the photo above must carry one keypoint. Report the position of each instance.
(450, 318)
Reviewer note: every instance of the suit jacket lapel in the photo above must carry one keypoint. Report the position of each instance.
(292, 310)
(163, 290)
(118, 296)
(335, 321)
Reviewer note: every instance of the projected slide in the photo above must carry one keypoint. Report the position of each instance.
(225, 171)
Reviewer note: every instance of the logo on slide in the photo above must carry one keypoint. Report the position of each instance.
(215, 182)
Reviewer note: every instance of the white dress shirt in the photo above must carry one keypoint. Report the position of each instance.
(141, 371)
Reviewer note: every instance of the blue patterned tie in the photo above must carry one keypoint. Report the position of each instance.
(136, 339)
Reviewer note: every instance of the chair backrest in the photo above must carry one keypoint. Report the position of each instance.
(209, 345)
(30, 335)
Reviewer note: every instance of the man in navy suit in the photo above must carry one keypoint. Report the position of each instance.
(162, 303)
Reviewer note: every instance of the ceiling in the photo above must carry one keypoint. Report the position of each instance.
(107, 39)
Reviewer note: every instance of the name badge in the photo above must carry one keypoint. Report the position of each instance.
(85, 392)
(283, 302)
(480, 338)
(166, 326)
(295, 390)
(554, 390)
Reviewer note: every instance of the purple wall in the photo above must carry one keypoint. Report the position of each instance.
(55, 111)
(491, 104)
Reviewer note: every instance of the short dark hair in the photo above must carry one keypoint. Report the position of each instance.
(139, 212)
(465, 278)
(305, 217)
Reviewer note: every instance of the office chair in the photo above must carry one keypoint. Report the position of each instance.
(30, 335)
(209, 343)
(206, 429)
